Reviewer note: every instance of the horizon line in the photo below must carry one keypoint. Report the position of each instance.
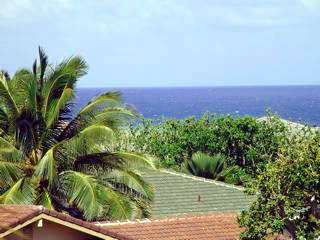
(203, 86)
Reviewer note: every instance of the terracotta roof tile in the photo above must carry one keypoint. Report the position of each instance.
(201, 227)
(218, 226)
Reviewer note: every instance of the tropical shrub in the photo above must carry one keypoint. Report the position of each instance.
(288, 193)
(203, 165)
(64, 161)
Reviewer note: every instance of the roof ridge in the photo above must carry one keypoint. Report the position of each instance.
(109, 223)
(166, 218)
(203, 179)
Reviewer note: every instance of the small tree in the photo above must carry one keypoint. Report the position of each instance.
(288, 192)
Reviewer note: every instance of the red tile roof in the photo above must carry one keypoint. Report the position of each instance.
(200, 227)
(218, 226)
(14, 215)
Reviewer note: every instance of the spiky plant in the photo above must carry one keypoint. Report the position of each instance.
(203, 165)
(53, 157)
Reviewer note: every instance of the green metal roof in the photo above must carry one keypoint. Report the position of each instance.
(177, 193)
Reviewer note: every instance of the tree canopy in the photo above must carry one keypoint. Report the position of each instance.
(288, 192)
(63, 160)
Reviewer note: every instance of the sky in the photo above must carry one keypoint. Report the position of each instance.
(148, 43)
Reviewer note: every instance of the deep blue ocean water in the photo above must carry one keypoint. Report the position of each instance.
(295, 103)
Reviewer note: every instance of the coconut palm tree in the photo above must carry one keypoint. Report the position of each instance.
(63, 160)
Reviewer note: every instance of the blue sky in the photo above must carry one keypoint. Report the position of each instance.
(168, 42)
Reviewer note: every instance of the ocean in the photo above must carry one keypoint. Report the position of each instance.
(294, 103)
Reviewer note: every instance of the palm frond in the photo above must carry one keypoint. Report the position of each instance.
(65, 74)
(82, 192)
(135, 184)
(88, 115)
(9, 152)
(89, 141)
(5, 75)
(25, 131)
(77, 66)
(46, 168)
(113, 117)
(96, 131)
(114, 161)
(19, 86)
(31, 94)
(4, 120)
(103, 101)
(135, 160)
(58, 105)
(6, 96)
(116, 205)
(105, 160)
(34, 68)
(22, 192)
(43, 65)
(10, 173)
(142, 208)
(20, 77)
(45, 200)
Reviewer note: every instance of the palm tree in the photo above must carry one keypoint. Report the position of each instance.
(203, 165)
(53, 157)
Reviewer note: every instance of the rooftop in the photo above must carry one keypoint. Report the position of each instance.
(218, 226)
(177, 193)
(201, 227)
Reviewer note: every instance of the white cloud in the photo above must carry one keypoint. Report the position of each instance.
(312, 5)
(257, 13)
(128, 15)
(14, 10)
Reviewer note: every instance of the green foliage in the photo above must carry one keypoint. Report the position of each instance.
(288, 192)
(203, 165)
(236, 175)
(70, 164)
(246, 142)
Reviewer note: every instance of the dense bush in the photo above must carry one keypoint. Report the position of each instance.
(246, 142)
